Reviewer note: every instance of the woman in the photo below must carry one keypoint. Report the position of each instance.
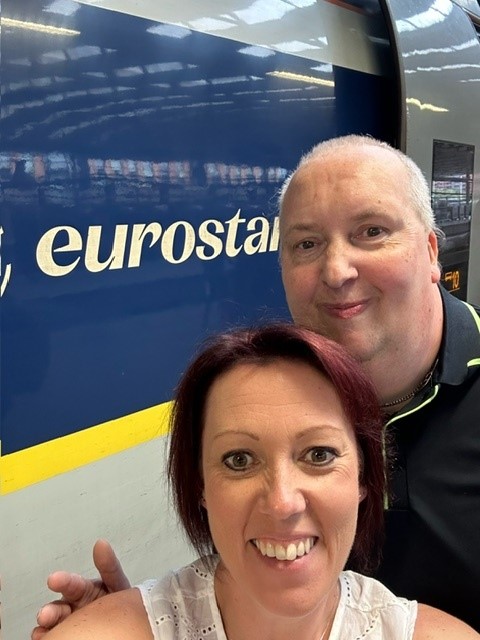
(276, 467)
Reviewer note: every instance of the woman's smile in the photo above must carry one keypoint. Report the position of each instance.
(281, 484)
(285, 551)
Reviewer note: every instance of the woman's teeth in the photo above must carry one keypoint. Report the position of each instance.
(290, 551)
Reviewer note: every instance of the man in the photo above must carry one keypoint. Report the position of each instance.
(359, 264)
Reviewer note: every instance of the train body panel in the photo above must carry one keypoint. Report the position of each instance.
(149, 190)
(142, 147)
(440, 93)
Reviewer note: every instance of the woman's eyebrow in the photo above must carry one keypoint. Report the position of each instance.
(229, 432)
(320, 429)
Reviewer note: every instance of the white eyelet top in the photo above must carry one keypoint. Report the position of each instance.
(182, 606)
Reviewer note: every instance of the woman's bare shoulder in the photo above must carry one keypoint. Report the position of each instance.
(118, 616)
(433, 624)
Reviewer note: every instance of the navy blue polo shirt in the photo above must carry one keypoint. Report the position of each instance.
(432, 550)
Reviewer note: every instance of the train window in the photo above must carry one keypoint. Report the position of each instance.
(452, 196)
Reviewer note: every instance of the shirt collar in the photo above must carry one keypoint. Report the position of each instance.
(460, 342)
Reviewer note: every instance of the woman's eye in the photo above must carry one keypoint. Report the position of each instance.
(238, 460)
(320, 455)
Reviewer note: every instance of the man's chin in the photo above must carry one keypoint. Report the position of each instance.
(356, 343)
(356, 340)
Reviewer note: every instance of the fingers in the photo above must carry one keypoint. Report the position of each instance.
(71, 585)
(52, 613)
(77, 591)
(109, 567)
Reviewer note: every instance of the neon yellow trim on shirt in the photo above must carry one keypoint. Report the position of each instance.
(420, 406)
(475, 315)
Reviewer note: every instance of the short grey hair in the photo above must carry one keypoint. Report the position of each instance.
(418, 186)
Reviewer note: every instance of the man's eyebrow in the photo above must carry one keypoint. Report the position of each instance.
(302, 226)
(367, 215)
(362, 216)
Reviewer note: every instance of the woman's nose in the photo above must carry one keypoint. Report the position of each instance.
(283, 496)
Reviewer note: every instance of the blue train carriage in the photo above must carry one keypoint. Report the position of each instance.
(142, 147)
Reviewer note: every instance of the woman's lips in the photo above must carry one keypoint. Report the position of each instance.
(289, 551)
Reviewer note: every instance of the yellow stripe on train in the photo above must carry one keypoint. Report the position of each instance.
(23, 468)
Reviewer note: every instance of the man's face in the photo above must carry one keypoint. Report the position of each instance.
(357, 263)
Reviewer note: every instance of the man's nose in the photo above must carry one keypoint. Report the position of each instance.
(338, 266)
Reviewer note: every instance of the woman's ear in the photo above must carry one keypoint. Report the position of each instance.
(362, 493)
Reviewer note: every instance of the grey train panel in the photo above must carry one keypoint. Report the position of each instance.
(439, 84)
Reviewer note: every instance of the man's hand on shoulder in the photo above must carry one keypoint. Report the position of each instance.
(77, 591)
(117, 616)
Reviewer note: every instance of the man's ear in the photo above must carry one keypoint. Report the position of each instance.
(433, 253)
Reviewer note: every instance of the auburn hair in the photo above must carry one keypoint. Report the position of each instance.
(263, 345)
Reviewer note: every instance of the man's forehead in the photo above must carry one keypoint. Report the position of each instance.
(364, 167)
(310, 222)
(353, 160)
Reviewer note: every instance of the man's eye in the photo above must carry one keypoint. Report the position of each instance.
(305, 245)
(320, 456)
(238, 460)
(372, 232)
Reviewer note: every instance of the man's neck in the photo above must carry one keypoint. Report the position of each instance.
(401, 373)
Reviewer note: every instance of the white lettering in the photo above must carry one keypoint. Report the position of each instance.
(117, 254)
(177, 243)
(230, 249)
(139, 233)
(274, 238)
(210, 240)
(7, 272)
(45, 251)
(168, 241)
(257, 242)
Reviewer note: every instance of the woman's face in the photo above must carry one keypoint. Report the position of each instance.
(281, 489)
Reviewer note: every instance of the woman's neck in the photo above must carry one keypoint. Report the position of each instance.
(244, 618)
